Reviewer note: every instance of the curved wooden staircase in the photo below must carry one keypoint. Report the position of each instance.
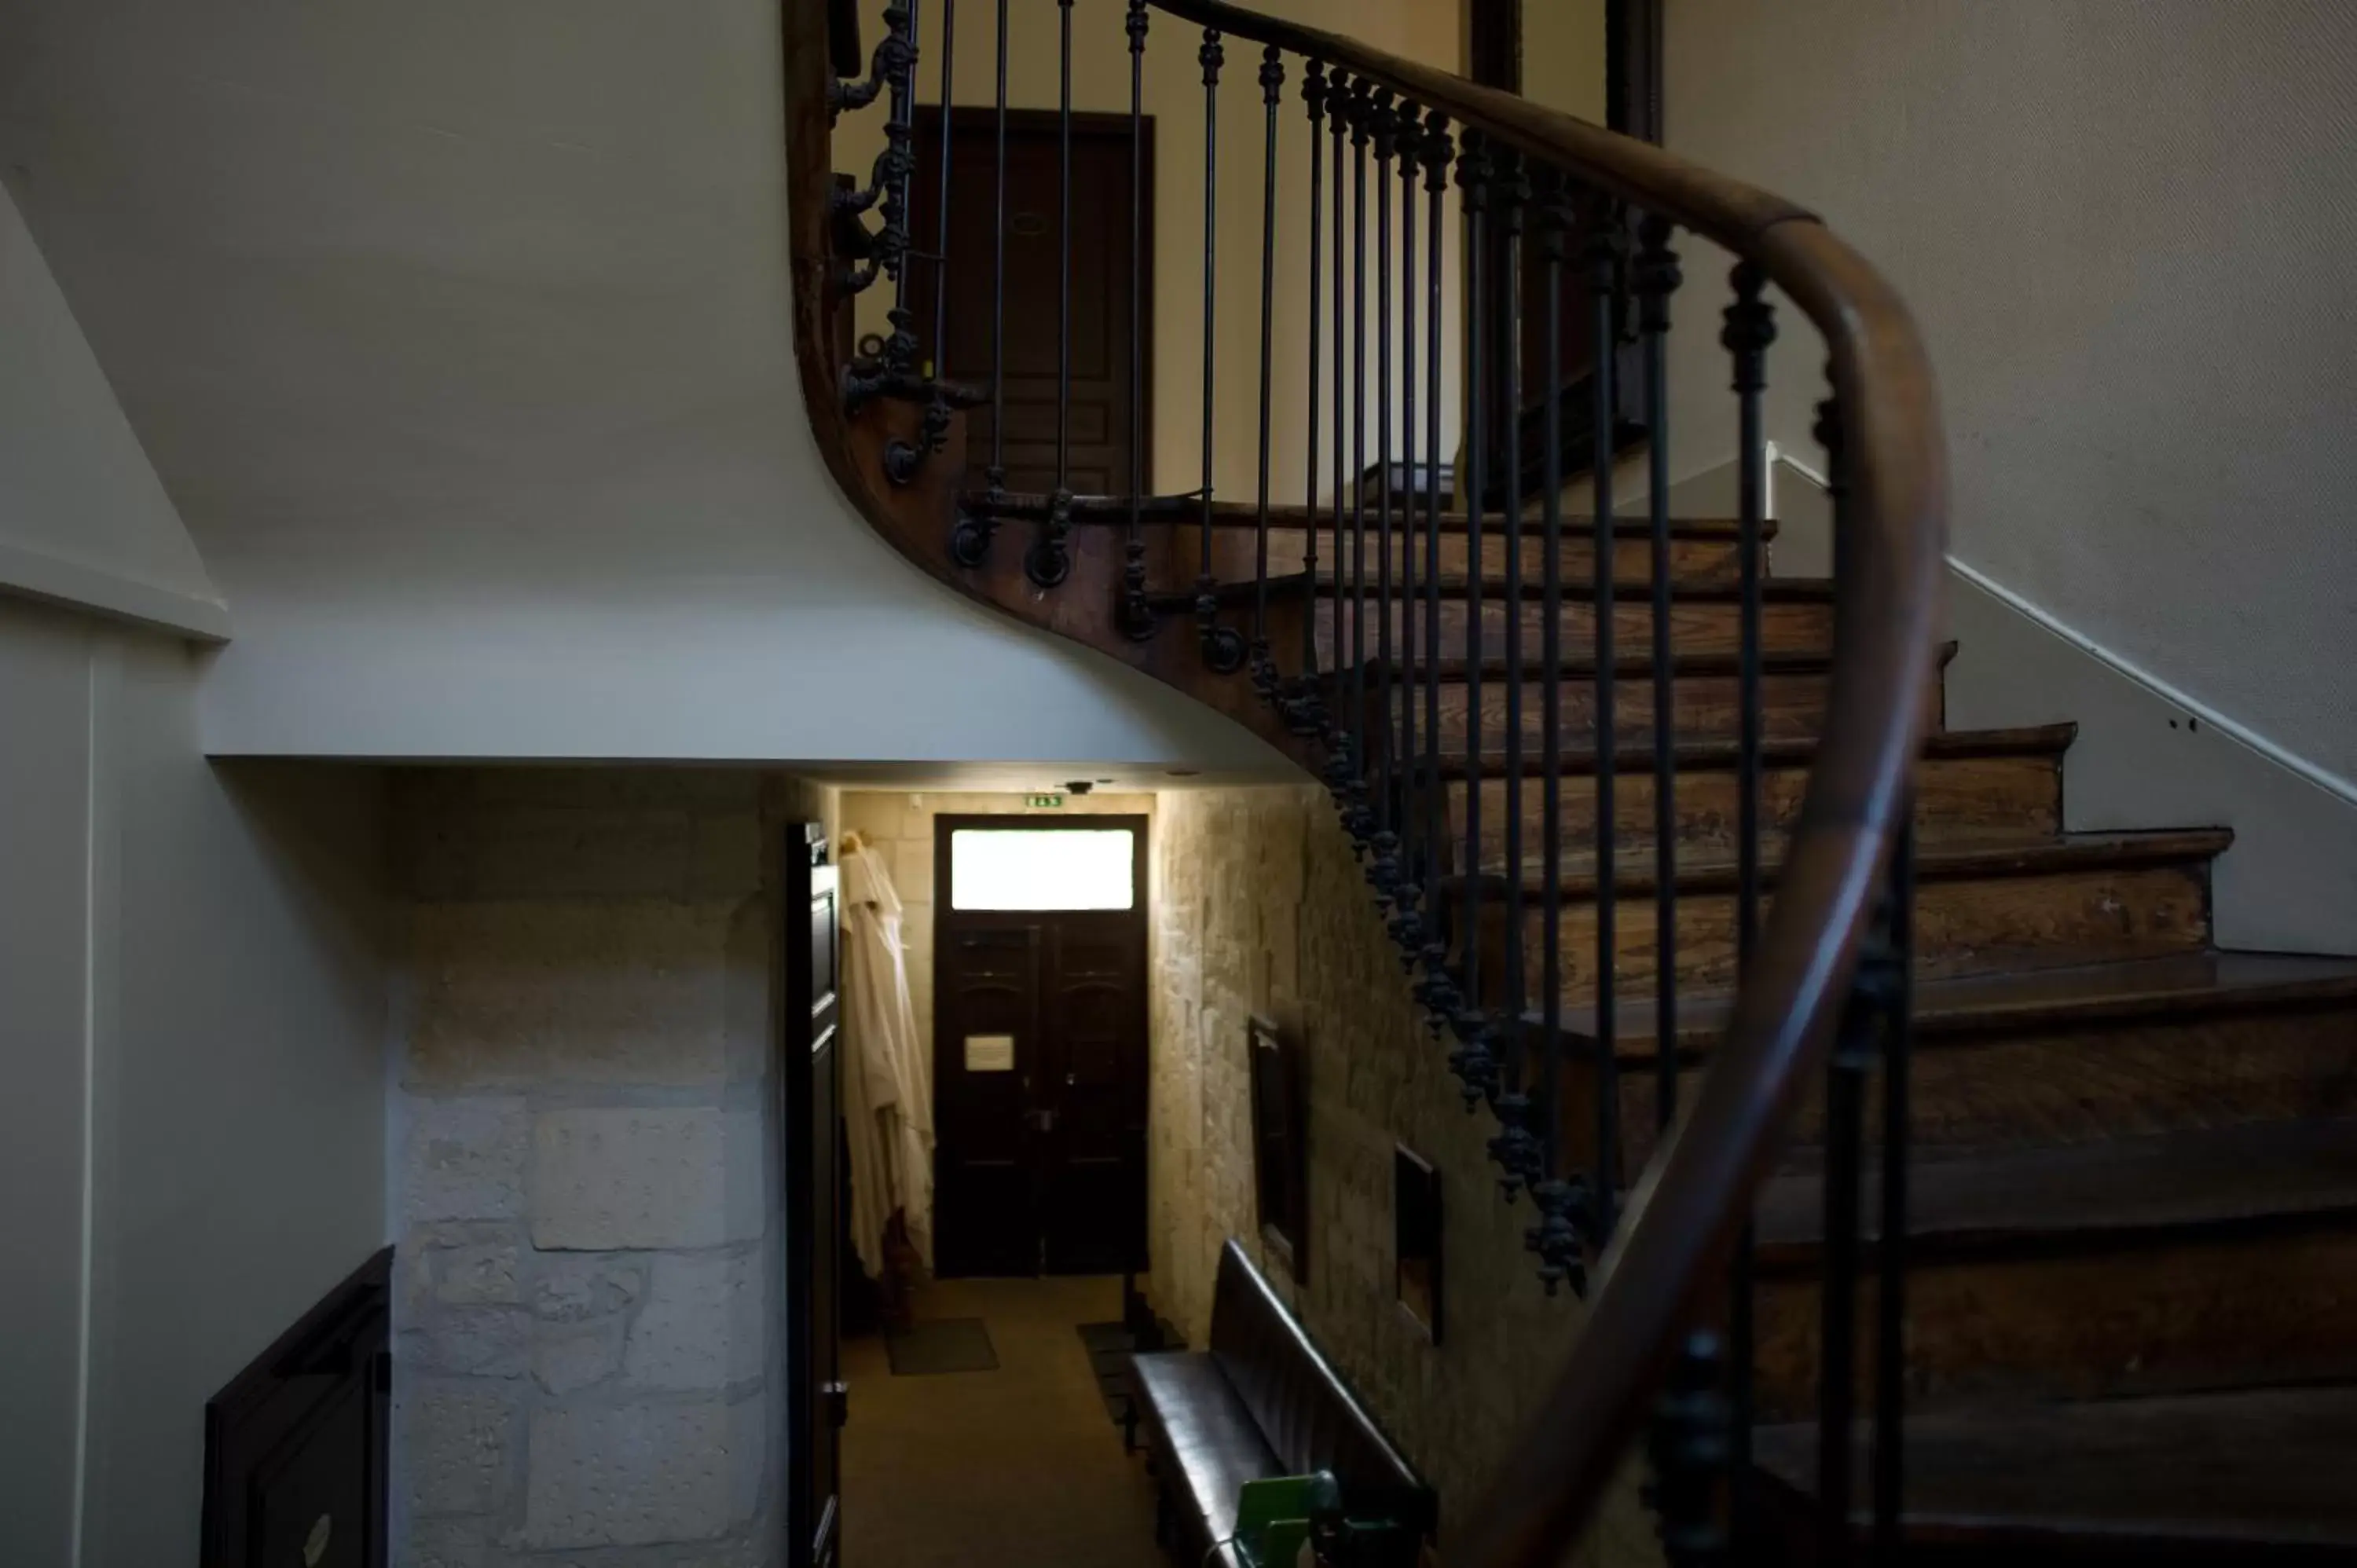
(2128, 1190)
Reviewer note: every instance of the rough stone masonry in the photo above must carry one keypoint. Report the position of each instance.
(585, 1159)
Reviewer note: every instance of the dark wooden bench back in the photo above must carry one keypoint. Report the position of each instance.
(1303, 1408)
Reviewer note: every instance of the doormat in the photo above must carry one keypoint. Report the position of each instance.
(945, 1345)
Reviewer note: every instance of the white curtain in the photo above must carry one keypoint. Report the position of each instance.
(888, 1098)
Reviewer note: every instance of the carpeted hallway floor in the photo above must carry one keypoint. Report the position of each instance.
(1017, 1468)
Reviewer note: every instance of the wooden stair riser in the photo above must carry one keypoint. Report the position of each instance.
(1697, 627)
(1791, 707)
(2086, 1317)
(1983, 925)
(1957, 799)
(1694, 562)
(2033, 1086)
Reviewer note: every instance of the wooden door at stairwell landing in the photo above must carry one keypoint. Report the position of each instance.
(1103, 261)
(1039, 1066)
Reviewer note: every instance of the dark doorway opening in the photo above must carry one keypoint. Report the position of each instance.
(1107, 423)
(810, 1088)
(1040, 1045)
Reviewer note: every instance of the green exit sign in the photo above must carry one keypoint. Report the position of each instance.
(1048, 802)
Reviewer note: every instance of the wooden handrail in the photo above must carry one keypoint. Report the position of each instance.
(1686, 1216)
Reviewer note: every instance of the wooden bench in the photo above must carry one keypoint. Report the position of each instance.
(1262, 1402)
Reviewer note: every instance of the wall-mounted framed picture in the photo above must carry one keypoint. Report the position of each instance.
(1280, 1146)
(1415, 1238)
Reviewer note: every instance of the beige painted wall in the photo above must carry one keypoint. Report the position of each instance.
(2128, 231)
(1262, 909)
(1420, 30)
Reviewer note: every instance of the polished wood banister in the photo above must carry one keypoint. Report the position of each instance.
(1687, 1211)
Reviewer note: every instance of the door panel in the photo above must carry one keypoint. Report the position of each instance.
(1094, 1197)
(1043, 1163)
(810, 1119)
(985, 1178)
(1102, 267)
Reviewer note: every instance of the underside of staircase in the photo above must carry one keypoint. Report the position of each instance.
(2132, 1239)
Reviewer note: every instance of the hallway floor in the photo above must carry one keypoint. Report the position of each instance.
(1021, 1466)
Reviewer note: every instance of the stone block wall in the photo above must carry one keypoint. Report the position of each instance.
(1261, 907)
(584, 1166)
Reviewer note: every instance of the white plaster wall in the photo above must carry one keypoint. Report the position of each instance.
(194, 988)
(83, 517)
(2126, 231)
(459, 334)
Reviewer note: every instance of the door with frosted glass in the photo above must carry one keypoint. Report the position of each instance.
(1040, 1044)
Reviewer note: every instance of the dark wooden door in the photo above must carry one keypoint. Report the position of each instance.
(1039, 1075)
(1104, 261)
(811, 1082)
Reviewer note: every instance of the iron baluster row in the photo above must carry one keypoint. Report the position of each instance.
(970, 541)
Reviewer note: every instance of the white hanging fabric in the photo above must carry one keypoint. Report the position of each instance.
(888, 1092)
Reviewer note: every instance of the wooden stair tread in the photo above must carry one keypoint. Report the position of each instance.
(2178, 985)
(1933, 863)
(1633, 664)
(2200, 1179)
(2255, 1466)
(1701, 752)
(1459, 585)
(1186, 511)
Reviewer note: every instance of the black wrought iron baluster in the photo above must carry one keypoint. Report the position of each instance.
(1137, 611)
(1313, 94)
(1362, 823)
(1342, 767)
(1890, 1295)
(970, 542)
(1557, 1194)
(1049, 561)
(902, 458)
(901, 344)
(1657, 278)
(1407, 891)
(1515, 1148)
(1383, 125)
(1437, 987)
(1749, 329)
(1272, 88)
(893, 67)
(1223, 647)
(891, 56)
(1690, 1454)
(1601, 255)
(1474, 1059)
